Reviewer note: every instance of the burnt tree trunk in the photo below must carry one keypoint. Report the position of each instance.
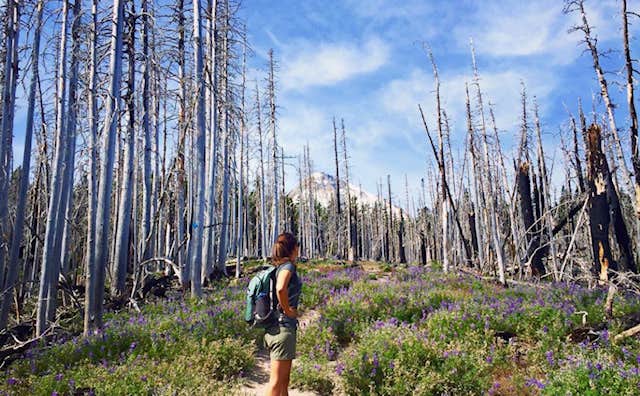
(528, 219)
(599, 220)
(472, 228)
(401, 251)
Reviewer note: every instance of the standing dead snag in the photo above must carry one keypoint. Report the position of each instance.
(352, 248)
(534, 252)
(103, 206)
(13, 263)
(633, 129)
(599, 220)
(338, 214)
(591, 42)
(528, 218)
(448, 197)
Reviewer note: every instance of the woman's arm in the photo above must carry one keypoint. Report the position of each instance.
(283, 293)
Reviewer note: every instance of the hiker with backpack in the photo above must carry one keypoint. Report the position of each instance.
(272, 302)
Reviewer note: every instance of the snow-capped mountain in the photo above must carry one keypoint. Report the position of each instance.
(324, 186)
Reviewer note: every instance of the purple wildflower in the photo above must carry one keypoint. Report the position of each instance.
(59, 377)
(549, 356)
(531, 382)
(12, 381)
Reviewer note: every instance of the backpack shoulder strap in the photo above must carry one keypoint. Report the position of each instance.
(273, 278)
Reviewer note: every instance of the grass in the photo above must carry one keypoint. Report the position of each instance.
(384, 331)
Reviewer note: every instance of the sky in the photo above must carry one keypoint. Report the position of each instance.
(364, 61)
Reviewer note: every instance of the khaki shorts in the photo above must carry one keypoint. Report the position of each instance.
(281, 342)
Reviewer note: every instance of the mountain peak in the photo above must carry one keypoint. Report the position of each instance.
(324, 186)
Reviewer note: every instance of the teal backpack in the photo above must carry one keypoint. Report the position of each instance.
(262, 301)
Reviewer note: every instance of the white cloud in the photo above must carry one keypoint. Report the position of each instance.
(520, 29)
(330, 63)
(502, 88)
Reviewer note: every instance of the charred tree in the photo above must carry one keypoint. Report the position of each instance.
(599, 219)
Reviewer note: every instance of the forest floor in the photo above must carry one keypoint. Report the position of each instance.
(373, 328)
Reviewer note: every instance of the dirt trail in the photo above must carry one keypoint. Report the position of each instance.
(257, 380)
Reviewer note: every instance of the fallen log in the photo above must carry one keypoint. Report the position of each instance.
(627, 333)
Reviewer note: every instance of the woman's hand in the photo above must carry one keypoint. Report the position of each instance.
(292, 313)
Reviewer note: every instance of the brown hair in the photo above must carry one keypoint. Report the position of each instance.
(284, 247)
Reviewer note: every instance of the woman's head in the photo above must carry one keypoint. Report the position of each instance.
(285, 248)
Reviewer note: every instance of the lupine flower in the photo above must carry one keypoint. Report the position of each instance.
(549, 356)
(531, 382)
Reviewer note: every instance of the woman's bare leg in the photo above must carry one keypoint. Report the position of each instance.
(279, 381)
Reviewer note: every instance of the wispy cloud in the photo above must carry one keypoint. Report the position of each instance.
(501, 88)
(515, 28)
(327, 64)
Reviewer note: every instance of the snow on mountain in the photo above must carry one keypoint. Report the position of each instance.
(324, 186)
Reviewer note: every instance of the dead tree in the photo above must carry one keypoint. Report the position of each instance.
(51, 251)
(7, 109)
(338, 214)
(592, 45)
(492, 207)
(92, 197)
(448, 196)
(633, 128)
(599, 219)
(103, 211)
(352, 249)
(123, 227)
(198, 221)
(13, 263)
(533, 253)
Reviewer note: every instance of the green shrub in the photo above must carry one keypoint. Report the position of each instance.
(309, 375)
(391, 360)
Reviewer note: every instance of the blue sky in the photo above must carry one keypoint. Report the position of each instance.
(363, 60)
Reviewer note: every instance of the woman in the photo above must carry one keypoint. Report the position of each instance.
(280, 339)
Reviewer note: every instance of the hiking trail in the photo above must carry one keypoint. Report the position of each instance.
(257, 381)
